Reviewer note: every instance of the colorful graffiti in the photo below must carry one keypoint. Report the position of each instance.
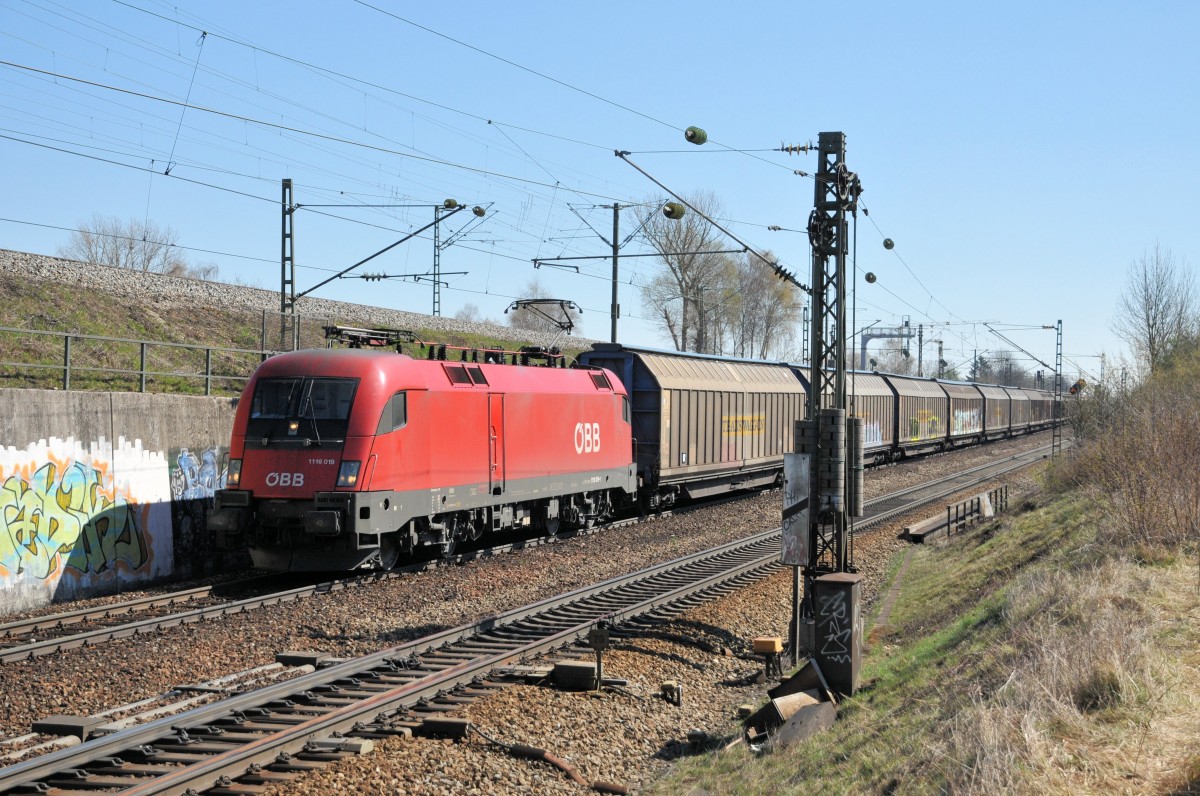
(92, 512)
(924, 425)
(966, 421)
(193, 479)
(67, 512)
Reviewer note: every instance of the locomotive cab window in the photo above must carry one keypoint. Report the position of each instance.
(625, 408)
(301, 409)
(395, 414)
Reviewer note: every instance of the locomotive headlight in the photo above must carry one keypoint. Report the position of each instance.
(348, 474)
(293, 427)
(233, 474)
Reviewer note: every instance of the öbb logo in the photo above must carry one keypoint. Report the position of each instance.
(285, 479)
(587, 437)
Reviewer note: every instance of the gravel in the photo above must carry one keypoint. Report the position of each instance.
(628, 738)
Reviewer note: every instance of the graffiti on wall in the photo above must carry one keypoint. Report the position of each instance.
(67, 514)
(192, 478)
(194, 481)
(83, 511)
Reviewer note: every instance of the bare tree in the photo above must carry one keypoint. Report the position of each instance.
(471, 313)
(681, 297)
(1007, 371)
(768, 309)
(133, 244)
(1158, 308)
(530, 320)
(894, 357)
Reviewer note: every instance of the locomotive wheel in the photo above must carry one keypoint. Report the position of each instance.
(389, 551)
(550, 525)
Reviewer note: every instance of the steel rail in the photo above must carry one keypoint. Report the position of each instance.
(906, 500)
(49, 646)
(365, 693)
(655, 578)
(11, 631)
(20, 627)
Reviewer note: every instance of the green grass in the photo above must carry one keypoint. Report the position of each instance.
(36, 361)
(963, 640)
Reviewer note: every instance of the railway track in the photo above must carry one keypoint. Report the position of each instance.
(886, 507)
(47, 635)
(239, 744)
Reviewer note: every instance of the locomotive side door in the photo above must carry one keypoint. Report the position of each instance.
(496, 442)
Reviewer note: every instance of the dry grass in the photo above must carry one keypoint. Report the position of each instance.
(1029, 656)
(1100, 698)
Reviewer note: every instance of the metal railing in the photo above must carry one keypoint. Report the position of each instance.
(70, 360)
(99, 352)
(962, 515)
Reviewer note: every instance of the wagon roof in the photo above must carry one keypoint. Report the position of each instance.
(692, 373)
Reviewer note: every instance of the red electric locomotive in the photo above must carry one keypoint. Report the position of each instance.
(347, 458)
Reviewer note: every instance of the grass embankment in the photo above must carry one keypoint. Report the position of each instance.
(37, 360)
(1027, 656)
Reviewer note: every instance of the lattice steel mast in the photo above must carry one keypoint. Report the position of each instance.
(836, 192)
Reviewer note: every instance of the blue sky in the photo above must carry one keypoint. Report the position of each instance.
(1021, 156)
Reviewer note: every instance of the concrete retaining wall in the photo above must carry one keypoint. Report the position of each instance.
(105, 492)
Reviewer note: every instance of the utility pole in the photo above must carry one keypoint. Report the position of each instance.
(287, 267)
(828, 463)
(437, 260)
(670, 210)
(615, 312)
(920, 350)
(804, 346)
(1056, 425)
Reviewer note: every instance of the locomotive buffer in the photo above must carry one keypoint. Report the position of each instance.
(823, 478)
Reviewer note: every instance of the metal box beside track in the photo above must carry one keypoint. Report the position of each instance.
(706, 424)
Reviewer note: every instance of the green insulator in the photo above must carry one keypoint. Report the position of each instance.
(887, 243)
(450, 204)
(674, 210)
(695, 135)
(477, 210)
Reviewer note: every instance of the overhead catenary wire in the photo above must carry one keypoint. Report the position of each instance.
(528, 231)
(294, 59)
(297, 130)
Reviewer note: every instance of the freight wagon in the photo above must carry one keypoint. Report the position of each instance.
(703, 425)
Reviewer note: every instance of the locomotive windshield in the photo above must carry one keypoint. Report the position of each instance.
(299, 409)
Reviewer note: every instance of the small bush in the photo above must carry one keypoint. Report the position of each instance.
(1100, 689)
